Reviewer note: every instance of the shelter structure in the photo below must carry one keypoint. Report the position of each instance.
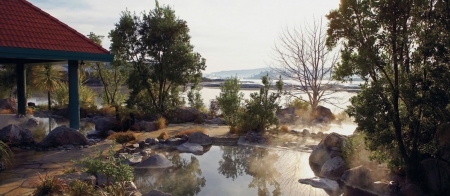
(30, 36)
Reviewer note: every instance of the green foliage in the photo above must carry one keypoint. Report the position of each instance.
(229, 100)
(60, 95)
(351, 150)
(403, 57)
(259, 110)
(49, 185)
(115, 169)
(5, 153)
(299, 104)
(195, 99)
(80, 188)
(47, 77)
(157, 46)
(8, 77)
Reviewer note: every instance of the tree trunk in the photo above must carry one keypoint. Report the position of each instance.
(49, 101)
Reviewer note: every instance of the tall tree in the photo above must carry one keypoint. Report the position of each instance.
(301, 55)
(47, 77)
(157, 46)
(112, 76)
(400, 48)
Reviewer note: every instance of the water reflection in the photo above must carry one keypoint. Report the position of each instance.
(232, 170)
(184, 178)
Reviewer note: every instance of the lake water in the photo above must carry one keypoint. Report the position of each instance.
(231, 170)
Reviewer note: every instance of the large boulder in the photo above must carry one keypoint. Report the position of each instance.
(8, 104)
(359, 177)
(328, 185)
(333, 168)
(105, 123)
(147, 126)
(183, 115)
(217, 121)
(64, 135)
(15, 135)
(175, 141)
(437, 176)
(200, 138)
(190, 147)
(328, 148)
(155, 161)
(323, 114)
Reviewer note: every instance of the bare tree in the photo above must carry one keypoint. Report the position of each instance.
(301, 55)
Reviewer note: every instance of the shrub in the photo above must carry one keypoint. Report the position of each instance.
(6, 111)
(30, 110)
(284, 129)
(213, 108)
(351, 150)
(5, 153)
(107, 110)
(49, 185)
(229, 100)
(160, 123)
(116, 170)
(298, 104)
(80, 188)
(234, 130)
(39, 132)
(190, 131)
(163, 136)
(122, 137)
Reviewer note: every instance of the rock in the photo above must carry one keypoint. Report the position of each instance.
(146, 152)
(161, 141)
(69, 147)
(306, 133)
(155, 161)
(324, 151)
(200, 138)
(217, 121)
(359, 177)
(241, 141)
(94, 133)
(323, 114)
(64, 112)
(188, 114)
(135, 159)
(291, 144)
(156, 193)
(151, 141)
(333, 168)
(63, 135)
(319, 134)
(175, 141)
(141, 144)
(147, 126)
(190, 147)
(134, 145)
(323, 183)
(104, 124)
(15, 135)
(32, 122)
(411, 190)
(110, 132)
(8, 104)
(31, 104)
(437, 176)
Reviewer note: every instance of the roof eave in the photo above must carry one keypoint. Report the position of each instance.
(53, 55)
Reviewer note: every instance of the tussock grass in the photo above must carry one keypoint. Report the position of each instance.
(188, 132)
(160, 123)
(122, 137)
(284, 129)
(163, 136)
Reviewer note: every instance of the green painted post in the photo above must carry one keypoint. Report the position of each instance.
(74, 103)
(21, 89)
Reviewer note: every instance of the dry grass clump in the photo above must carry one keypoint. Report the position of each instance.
(284, 129)
(49, 185)
(6, 111)
(122, 137)
(107, 110)
(30, 110)
(163, 136)
(234, 130)
(190, 131)
(160, 123)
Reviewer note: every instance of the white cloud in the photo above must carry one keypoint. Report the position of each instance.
(231, 34)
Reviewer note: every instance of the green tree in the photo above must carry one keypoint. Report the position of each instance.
(47, 77)
(112, 76)
(230, 99)
(399, 49)
(157, 46)
(195, 99)
(259, 110)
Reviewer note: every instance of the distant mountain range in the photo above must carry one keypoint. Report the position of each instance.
(244, 73)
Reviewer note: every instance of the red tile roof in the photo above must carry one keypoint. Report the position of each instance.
(23, 25)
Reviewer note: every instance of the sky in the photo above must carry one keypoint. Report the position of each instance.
(229, 34)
